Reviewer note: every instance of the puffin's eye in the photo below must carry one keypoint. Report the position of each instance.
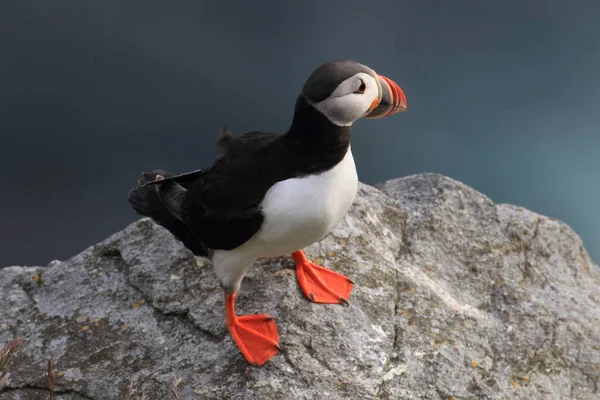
(361, 88)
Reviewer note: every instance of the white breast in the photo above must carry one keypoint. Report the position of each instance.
(301, 211)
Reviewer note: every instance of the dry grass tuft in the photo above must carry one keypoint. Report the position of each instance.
(51, 380)
(175, 385)
(6, 355)
(9, 350)
(130, 392)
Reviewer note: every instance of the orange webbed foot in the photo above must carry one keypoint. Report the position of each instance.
(255, 335)
(321, 285)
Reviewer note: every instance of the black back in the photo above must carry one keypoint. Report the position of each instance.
(246, 143)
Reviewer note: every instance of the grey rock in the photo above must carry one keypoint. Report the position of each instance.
(455, 297)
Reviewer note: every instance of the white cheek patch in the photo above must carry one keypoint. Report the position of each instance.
(336, 111)
(344, 106)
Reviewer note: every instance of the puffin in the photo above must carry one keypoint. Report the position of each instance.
(272, 194)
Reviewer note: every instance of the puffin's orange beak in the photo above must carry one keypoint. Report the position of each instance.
(392, 99)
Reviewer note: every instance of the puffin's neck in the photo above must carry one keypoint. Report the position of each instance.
(315, 144)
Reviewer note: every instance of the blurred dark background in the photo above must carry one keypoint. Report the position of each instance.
(502, 95)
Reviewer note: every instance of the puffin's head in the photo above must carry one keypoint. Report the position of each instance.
(345, 91)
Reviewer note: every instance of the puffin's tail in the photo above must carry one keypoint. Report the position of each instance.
(161, 203)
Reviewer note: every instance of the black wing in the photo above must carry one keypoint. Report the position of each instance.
(222, 206)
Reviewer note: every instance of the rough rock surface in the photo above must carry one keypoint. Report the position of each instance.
(455, 297)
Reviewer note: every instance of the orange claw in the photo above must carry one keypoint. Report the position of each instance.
(255, 335)
(321, 285)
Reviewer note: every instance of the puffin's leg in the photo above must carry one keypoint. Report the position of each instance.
(319, 284)
(256, 335)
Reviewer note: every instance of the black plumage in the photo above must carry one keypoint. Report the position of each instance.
(218, 208)
(146, 202)
(248, 142)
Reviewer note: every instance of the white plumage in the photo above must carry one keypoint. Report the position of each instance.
(298, 212)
